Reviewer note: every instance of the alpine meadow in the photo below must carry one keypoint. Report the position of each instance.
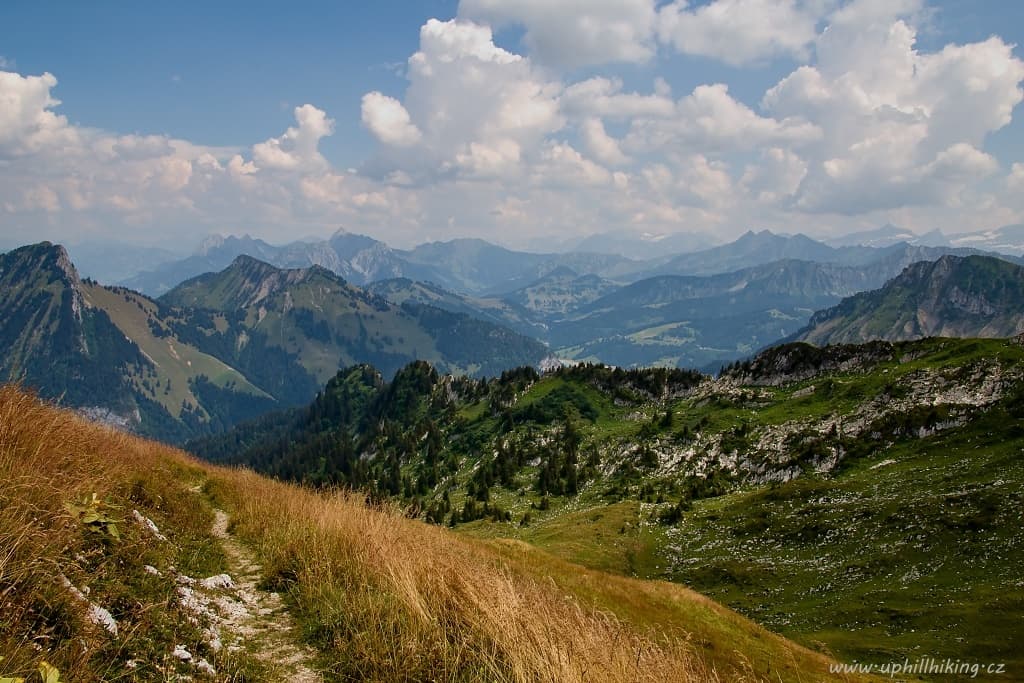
(512, 341)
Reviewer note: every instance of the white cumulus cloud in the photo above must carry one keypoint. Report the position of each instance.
(388, 120)
(601, 146)
(741, 31)
(299, 146)
(900, 127)
(574, 33)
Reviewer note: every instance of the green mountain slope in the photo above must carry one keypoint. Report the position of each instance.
(232, 346)
(783, 487)
(974, 296)
(95, 348)
(311, 322)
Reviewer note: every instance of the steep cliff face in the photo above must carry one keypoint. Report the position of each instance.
(974, 296)
(108, 352)
(53, 340)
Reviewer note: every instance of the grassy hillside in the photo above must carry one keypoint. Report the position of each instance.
(377, 595)
(842, 495)
(178, 364)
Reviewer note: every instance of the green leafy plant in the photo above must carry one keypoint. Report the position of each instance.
(47, 672)
(95, 514)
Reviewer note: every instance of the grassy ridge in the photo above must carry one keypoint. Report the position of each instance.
(912, 545)
(49, 458)
(177, 363)
(383, 597)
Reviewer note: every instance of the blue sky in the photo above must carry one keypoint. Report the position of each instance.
(525, 119)
(217, 73)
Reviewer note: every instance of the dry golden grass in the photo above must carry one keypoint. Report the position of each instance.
(395, 599)
(50, 457)
(383, 597)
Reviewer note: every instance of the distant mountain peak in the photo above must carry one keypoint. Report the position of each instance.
(953, 296)
(65, 265)
(48, 255)
(209, 243)
(261, 271)
(215, 242)
(758, 236)
(562, 272)
(251, 263)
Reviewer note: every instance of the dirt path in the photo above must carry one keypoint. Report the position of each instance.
(258, 619)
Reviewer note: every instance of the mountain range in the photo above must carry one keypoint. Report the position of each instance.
(795, 474)
(220, 347)
(226, 345)
(476, 267)
(680, 321)
(468, 266)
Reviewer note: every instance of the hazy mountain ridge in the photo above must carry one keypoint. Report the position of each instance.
(698, 321)
(475, 266)
(560, 292)
(889, 235)
(644, 246)
(468, 266)
(492, 309)
(1008, 239)
(974, 296)
(116, 262)
(554, 297)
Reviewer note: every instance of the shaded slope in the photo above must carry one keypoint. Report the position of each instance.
(103, 350)
(54, 341)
